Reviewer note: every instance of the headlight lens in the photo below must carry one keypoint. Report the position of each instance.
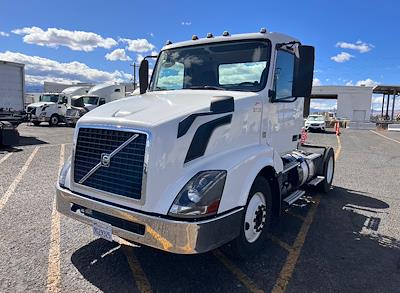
(200, 196)
(63, 173)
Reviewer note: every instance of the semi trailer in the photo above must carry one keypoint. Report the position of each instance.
(12, 110)
(208, 153)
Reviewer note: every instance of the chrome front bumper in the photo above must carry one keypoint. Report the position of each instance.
(169, 235)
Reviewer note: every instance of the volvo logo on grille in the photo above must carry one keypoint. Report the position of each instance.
(105, 160)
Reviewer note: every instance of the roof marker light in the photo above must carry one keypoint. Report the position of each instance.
(168, 42)
(210, 35)
(263, 30)
(194, 37)
(226, 34)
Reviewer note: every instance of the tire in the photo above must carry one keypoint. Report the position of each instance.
(328, 170)
(54, 120)
(253, 238)
(36, 123)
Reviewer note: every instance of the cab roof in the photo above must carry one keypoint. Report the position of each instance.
(274, 37)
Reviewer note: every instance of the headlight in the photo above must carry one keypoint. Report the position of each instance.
(63, 173)
(200, 196)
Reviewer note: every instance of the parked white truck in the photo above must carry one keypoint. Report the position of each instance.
(12, 110)
(97, 96)
(52, 107)
(208, 153)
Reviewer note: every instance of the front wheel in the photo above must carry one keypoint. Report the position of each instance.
(54, 120)
(256, 220)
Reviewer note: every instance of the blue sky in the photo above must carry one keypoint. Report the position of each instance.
(72, 38)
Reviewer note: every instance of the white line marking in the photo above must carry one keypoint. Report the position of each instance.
(53, 269)
(5, 157)
(14, 184)
(384, 136)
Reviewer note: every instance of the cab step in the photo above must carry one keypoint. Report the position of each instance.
(293, 197)
(317, 180)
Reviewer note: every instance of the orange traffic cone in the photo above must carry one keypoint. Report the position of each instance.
(337, 128)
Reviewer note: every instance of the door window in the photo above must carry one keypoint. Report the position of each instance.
(284, 75)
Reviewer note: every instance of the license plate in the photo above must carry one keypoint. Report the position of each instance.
(103, 230)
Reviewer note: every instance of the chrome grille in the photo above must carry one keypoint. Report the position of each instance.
(124, 173)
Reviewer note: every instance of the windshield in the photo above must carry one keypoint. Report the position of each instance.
(315, 118)
(49, 98)
(237, 66)
(90, 100)
(77, 103)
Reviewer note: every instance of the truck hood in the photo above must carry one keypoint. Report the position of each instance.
(155, 108)
(39, 104)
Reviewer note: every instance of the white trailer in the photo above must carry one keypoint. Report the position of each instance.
(206, 155)
(12, 84)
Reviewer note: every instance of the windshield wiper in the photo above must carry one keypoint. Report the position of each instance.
(206, 87)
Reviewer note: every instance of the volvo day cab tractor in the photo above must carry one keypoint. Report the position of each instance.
(52, 107)
(209, 152)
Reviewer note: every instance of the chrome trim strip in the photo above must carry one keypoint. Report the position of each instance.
(113, 153)
(94, 192)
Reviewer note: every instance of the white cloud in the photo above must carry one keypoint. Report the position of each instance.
(39, 69)
(186, 23)
(358, 46)
(316, 82)
(4, 34)
(118, 54)
(138, 45)
(151, 34)
(75, 40)
(139, 58)
(366, 82)
(342, 57)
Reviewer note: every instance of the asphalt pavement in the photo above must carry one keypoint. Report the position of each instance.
(345, 241)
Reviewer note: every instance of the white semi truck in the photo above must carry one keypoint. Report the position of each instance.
(52, 107)
(209, 152)
(12, 110)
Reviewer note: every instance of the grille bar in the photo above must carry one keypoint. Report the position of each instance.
(124, 173)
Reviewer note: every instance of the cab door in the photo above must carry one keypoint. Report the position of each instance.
(284, 112)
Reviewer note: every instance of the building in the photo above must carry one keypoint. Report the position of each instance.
(353, 102)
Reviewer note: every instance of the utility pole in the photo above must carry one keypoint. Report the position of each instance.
(134, 75)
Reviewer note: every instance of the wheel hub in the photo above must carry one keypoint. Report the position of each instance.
(255, 217)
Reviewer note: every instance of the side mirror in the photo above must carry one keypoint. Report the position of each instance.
(144, 76)
(102, 102)
(303, 72)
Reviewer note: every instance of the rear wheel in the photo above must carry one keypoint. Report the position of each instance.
(256, 220)
(328, 171)
(54, 120)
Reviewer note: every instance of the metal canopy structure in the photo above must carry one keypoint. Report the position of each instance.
(387, 91)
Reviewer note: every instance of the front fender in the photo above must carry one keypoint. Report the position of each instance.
(242, 165)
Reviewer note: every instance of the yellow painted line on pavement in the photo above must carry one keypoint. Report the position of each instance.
(288, 268)
(281, 243)
(18, 178)
(53, 269)
(384, 136)
(5, 157)
(339, 148)
(242, 277)
(139, 276)
(300, 217)
(291, 261)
